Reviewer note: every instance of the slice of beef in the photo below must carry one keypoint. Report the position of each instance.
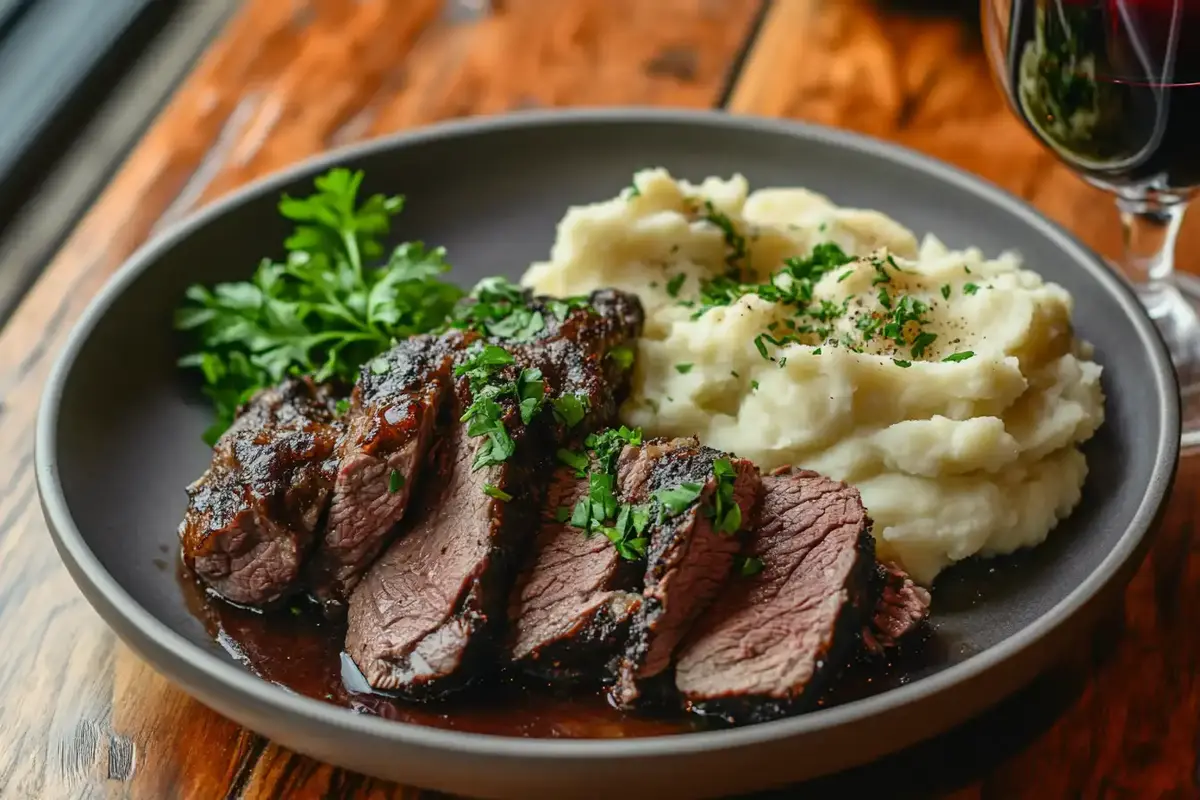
(573, 353)
(389, 426)
(900, 611)
(431, 608)
(768, 644)
(422, 615)
(688, 560)
(253, 514)
(570, 610)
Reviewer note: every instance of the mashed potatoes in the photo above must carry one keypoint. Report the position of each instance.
(946, 386)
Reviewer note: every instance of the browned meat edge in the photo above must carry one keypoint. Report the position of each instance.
(771, 641)
(687, 560)
(392, 413)
(253, 514)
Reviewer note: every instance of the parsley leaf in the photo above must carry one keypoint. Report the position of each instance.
(569, 409)
(675, 500)
(675, 284)
(496, 492)
(683, 369)
(622, 356)
(333, 304)
(963, 356)
(747, 566)
(970, 288)
(945, 291)
(395, 482)
(577, 461)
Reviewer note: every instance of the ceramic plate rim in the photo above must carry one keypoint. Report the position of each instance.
(235, 679)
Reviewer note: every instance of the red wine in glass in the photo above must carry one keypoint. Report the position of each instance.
(1112, 86)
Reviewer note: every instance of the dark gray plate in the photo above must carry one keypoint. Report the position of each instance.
(119, 437)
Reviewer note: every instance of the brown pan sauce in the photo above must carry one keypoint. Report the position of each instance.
(299, 649)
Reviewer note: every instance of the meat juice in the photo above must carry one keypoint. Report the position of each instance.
(300, 649)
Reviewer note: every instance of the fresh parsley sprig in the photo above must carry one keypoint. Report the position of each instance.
(324, 310)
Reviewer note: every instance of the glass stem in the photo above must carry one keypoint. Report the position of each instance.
(1150, 226)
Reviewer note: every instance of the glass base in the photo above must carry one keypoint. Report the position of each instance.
(1175, 309)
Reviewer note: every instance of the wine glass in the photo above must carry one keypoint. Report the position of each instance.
(1112, 87)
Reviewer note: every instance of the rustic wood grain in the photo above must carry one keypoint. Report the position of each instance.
(82, 717)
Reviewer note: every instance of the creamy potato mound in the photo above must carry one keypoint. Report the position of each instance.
(946, 386)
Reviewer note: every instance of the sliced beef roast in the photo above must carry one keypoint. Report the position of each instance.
(688, 558)
(421, 615)
(570, 610)
(392, 413)
(770, 640)
(900, 611)
(435, 601)
(253, 514)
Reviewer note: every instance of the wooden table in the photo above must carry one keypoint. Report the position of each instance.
(80, 716)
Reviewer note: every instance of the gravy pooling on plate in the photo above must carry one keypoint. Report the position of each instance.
(301, 650)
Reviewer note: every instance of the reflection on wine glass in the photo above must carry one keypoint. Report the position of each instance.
(1112, 87)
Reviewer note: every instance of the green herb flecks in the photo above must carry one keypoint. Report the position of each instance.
(675, 284)
(395, 482)
(726, 514)
(500, 308)
(747, 566)
(329, 307)
(570, 409)
(622, 356)
(963, 356)
(486, 374)
(496, 492)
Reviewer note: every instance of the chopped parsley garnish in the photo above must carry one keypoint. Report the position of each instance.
(395, 482)
(945, 291)
(726, 514)
(733, 372)
(970, 288)
(600, 511)
(675, 284)
(754, 385)
(747, 566)
(500, 308)
(562, 514)
(632, 190)
(341, 407)
(676, 499)
(885, 299)
(496, 492)
(901, 364)
(735, 242)
(816, 351)
(845, 275)
(622, 356)
(337, 300)
(963, 356)
(484, 371)
(923, 340)
(569, 409)
(761, 346)
(683, 369)
(575, 460)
